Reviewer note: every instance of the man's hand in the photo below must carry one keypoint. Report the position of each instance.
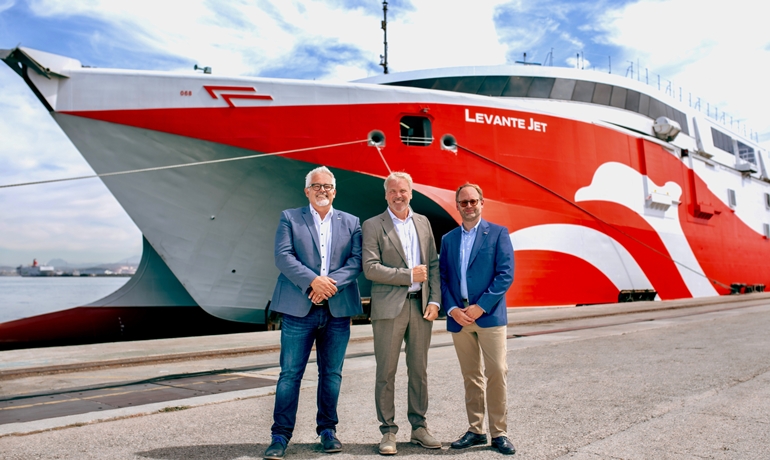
(461, 317)
(322, 286)
(431, 312)
(473, 311)
(419, 273)
(316, 297)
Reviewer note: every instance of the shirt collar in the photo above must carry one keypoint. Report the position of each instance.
(472, 230)
(315, 214)
(408, 216)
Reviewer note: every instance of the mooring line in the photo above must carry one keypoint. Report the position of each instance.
(383, 159)
(184, 165)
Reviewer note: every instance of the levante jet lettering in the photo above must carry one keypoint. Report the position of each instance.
(512, 122)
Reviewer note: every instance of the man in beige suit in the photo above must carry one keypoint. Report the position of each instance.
(399, 257)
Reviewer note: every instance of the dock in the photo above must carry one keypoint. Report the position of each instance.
(673, 379)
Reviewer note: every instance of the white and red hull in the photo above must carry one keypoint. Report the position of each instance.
(594, 203)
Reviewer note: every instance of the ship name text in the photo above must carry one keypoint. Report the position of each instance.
(513, 122)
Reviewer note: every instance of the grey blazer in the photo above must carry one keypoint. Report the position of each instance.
(385, 265)
(298, 259)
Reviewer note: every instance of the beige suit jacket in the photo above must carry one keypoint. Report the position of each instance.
(385, 265)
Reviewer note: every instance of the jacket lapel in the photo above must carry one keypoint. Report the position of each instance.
(422, 237)
(336, 233)
(392, 234)
(481, 238)
(311, 228)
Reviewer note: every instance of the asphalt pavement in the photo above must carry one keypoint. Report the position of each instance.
(676, 379)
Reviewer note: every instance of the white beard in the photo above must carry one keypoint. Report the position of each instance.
(322, 202)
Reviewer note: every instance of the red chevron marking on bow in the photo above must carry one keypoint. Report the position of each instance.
(216, 91)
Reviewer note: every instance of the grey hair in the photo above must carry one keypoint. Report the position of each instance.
(396, 175)
(320, 169)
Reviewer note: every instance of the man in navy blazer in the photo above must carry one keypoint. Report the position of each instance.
(318, 251)
(476, 267)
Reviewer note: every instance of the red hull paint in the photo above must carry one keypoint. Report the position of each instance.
(564, 159)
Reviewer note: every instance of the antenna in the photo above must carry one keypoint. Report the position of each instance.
(384, 57)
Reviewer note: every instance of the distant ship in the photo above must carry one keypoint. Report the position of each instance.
(611, 190)
(35, 269)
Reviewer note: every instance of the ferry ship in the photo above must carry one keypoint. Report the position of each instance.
(611, 189)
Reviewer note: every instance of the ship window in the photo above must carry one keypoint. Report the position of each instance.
(766, 230)
(722, 141)
(602, 94)
(746, 153)
(493, 86)
(632, 101)
(416, 131)
(670, 112)
(517, 87)
(657, 109)
(618, 97)
(681, 118)
(644, 104)
(562, 89)
(584, 91)
(767, 200)
(446, 84)
(469, 85)
(731, 198)
(541, 87)
(426, 83)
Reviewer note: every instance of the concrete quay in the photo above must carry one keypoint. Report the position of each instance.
(675, 379)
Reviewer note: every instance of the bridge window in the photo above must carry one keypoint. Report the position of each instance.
(722, 141)
(746, 153)
(562, 89)
(553, 88)
(416, 131)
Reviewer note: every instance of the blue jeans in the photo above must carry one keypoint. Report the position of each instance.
(331, 336)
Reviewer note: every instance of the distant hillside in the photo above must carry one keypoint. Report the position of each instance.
(63, 264)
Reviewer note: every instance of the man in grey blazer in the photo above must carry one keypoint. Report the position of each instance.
(318, 251)
(399, 257)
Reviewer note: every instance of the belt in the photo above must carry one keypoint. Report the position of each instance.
(324, 303)
(414, 295)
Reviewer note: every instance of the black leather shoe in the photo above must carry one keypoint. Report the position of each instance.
(277, 449)
(330, 442)
(503, 445)
(469, 439)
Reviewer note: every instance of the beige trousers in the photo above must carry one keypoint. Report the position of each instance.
(483, 363)
(389, 334)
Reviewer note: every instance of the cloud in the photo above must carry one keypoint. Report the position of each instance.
(79, 218)
(6, 5)
(720, 54)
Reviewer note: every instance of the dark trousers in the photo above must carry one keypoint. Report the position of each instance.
(297, 337)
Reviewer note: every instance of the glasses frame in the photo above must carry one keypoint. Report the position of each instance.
(466, 203)
(317, 187)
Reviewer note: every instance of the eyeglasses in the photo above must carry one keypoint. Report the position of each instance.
(317, 187)
(466, 203)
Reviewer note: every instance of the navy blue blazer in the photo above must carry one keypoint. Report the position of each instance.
(489, 274)
(298, 258)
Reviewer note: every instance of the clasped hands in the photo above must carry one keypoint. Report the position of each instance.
(467, 315)
(321, 288)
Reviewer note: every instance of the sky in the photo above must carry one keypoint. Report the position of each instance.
(717, 51)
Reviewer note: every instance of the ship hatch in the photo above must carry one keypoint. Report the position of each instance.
(416, 131)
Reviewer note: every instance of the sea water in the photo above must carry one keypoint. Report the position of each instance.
(22, 297)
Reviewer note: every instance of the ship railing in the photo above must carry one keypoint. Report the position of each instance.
(414, 140)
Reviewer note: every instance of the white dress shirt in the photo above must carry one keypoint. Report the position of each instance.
(323, 229)
(410, 243)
